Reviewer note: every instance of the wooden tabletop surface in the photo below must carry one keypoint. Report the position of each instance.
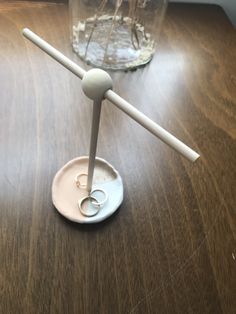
(171, 246)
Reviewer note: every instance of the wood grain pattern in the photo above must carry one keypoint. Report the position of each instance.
(171, 247)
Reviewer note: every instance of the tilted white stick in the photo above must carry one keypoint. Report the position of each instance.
(54, 53)
(122, 104)
(151, 126)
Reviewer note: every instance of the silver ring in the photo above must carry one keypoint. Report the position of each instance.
(80, 205)
(100, 204)
(77, 182)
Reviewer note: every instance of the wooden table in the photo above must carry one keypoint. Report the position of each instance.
(171, 246)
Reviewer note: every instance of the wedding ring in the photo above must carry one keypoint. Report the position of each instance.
(101, 203)
(77, 180)
(96, 204)
(80, 205)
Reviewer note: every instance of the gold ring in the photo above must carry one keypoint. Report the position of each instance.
(77, 181)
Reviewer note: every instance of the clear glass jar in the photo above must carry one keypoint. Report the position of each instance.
(116, 34)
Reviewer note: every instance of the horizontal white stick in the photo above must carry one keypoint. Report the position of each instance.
(151, 126)
(54, 53)
(122, 104)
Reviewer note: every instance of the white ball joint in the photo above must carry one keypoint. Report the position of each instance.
(95, 83)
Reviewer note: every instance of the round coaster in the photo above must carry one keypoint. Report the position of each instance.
(66, 194)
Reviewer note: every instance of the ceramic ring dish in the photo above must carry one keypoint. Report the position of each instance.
(66, 194)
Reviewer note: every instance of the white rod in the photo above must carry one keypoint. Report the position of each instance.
(93, 142)
(54, 53)
(151, 126)
(122, 104)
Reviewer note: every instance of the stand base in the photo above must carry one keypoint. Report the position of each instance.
(66, 195)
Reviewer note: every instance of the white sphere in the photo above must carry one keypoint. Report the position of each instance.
(95, 83)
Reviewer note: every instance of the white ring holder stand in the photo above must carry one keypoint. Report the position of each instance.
(89, 189)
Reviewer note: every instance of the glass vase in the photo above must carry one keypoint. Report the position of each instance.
(116, 34)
